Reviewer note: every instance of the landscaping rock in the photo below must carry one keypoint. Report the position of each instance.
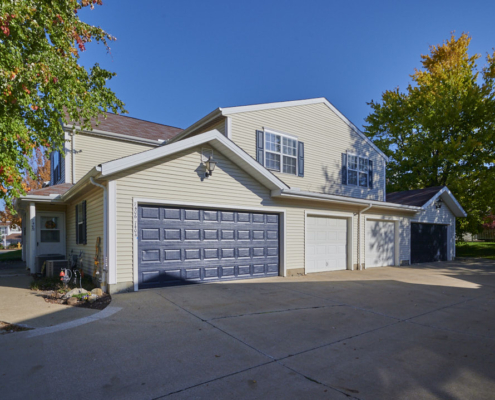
(72, 301)
(97, 291)
(72, 292)
(92, 298)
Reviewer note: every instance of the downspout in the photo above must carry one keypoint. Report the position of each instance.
(359, 265)
(72, 155)
(105, 234)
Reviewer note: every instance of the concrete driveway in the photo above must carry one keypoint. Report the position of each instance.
(423, 332)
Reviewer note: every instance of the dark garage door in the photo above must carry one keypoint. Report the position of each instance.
(428, 243)
(185, 245)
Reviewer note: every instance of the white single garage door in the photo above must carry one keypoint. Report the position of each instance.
(326, 244)
(380, 243)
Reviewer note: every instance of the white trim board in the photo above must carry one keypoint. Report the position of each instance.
(136, 201)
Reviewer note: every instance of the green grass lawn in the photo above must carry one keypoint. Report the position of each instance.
(11, 255)
(476, 249)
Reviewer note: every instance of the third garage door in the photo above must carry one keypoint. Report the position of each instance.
(380, 243)
(326, 244)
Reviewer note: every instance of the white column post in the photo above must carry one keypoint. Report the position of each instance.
(32, 237)
(23, 236)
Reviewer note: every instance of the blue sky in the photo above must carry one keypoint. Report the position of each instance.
(178, 60)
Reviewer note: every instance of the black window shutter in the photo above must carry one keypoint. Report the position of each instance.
(59, 173)
(84, 222)
(370, 175)
(344, 169)
(260, 146)
(300, 158)
(77, 224)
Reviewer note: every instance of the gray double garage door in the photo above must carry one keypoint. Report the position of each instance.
(186, 245)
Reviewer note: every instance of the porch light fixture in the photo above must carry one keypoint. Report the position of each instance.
(439, 204)
(210, 166)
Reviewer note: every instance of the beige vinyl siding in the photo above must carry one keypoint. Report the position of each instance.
(443, 216)
(94, 226)
(91, 150)
(179, 178)
(325, 138)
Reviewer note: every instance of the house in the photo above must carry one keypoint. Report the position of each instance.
(252, 191)
(9, 234)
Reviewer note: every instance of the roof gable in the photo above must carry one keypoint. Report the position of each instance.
(425, 197)
(270, 106)
(216, 140)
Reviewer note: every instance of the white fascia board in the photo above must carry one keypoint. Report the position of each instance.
(343, 200)
(113, 135)
(215, 139)
(81, 183)
(52, 198)
(450, 200)
(198, 124)
(270, 106)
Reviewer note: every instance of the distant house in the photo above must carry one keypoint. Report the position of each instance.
(10, 234)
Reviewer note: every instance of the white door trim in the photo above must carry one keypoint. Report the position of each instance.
(137, 201)
(343, 215)
(396, 221)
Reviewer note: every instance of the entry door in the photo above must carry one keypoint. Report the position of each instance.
(326, 244)
(50, 233)
(380, 243)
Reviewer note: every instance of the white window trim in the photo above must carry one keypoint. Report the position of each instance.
(288, 136)
(358, 170)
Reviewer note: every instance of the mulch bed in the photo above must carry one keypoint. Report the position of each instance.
(99, 304)
(5, 328)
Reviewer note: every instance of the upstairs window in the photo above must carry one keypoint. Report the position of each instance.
(57, 167)
(280, 153)
(357, 171)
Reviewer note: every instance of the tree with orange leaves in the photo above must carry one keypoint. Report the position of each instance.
(42, 83)
(40, 165)
(441, 130)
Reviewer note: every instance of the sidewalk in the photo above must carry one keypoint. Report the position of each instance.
(20, 305)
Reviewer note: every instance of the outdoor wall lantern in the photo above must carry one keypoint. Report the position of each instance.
(439, 203)
(210, 166)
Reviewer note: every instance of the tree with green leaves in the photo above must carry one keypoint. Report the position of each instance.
(42, 83)
(441, 130)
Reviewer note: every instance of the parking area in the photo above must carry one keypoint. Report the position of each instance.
(424, 332)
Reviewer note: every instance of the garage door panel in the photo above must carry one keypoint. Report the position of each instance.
(428, 242)
(326, 244)
(380, 243)
(178, 245)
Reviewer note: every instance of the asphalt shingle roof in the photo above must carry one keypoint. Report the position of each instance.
(418, 197)
(130, 126)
